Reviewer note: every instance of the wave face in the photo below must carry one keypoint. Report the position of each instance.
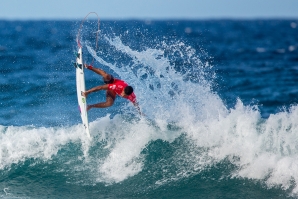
(198, 138)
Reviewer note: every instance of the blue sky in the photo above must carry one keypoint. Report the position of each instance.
(148, 9)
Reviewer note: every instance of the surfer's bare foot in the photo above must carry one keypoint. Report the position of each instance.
(89, 107)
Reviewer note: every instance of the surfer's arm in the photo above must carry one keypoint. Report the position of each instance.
(136, 104)
(95, 89)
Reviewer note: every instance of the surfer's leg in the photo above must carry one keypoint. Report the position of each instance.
(106, 77)
(110, 98)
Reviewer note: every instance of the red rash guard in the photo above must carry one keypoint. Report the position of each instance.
(118, 86)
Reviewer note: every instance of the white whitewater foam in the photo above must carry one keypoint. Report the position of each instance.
(20, 143)
(262, 149)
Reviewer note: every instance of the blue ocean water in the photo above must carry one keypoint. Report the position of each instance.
(220, 99)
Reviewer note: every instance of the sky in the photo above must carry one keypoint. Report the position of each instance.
(147, 9)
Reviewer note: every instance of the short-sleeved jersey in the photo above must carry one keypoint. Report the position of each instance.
(118, 86)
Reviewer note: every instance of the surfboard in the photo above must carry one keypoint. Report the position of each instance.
(80, 82)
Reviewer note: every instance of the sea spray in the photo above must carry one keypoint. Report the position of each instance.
(214, 133)
(159, 86)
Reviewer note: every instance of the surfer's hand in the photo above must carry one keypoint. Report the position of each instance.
(88, 66)
(142, 114)
(84, 94)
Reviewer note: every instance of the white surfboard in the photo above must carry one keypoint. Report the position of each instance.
(80, 80)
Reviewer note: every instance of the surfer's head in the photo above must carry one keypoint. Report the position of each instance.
(128, 90)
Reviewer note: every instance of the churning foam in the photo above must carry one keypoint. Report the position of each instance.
(262, 149)
(20, 143)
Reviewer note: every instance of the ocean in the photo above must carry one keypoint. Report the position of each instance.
(219, 98)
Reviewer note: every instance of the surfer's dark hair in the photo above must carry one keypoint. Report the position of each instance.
(128, 90)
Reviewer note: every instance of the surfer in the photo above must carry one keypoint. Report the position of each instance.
(113, 87)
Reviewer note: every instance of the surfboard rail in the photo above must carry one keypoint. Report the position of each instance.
(80, 83)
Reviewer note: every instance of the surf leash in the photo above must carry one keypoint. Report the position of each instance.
(97, 32)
